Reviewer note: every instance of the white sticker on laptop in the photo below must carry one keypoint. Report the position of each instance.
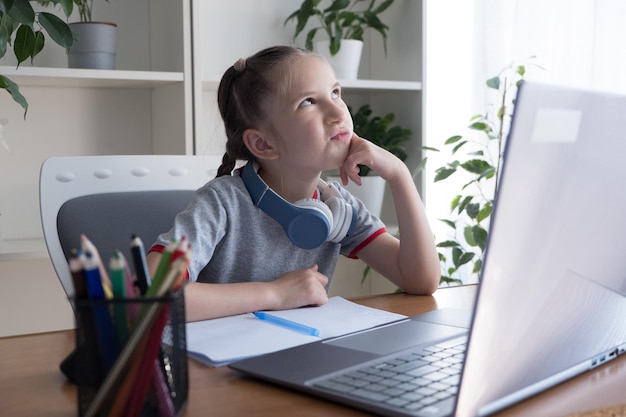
(556, 125)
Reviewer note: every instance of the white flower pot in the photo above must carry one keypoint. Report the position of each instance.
(95, 47)
(371, 192)
(347, 60)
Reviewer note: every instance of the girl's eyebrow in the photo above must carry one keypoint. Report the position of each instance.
(308, 93)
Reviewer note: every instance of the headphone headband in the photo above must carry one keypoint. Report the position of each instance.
(308, 223)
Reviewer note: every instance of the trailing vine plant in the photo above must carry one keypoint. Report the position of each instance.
(477, 156)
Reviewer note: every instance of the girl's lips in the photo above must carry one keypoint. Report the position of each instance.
(342, 136)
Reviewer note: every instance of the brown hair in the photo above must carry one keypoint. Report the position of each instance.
(241, 94)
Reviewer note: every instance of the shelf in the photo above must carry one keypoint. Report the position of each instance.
(353, 85)
(20, 249)
(380, 85)
(70, 77)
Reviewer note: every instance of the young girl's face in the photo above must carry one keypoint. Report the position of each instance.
(310, 123)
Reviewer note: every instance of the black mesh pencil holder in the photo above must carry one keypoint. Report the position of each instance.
(154, 380)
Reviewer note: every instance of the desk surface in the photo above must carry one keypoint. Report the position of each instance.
(32, 385)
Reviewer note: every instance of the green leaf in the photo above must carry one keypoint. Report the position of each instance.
(476, 166)
(40, 42)
(467, 234)
(67, 6)
(449, 280)
(382, 7)
(5, 6)
(14, 91)
(458, 146)
(477, 266)
(23, 13)
(6, 29)
(460, 257)
(472, 210)
(58, 30)
(480, 236)
(494, 82)
(453, 139)
(485, 212)
(24, 44)
(302, 15)
(455, 202)
(366, 272)
(467, 200)
(449, 223)
(335, 44)
(308, 44)
(337, 5)
(465, 258)
(501, 112)
(448, 244)
(481, 126)
(443, 173)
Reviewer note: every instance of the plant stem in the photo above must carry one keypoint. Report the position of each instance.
(500, 132)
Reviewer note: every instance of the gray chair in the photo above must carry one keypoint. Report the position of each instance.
(110, 198)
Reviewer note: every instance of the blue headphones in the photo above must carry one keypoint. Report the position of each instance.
(309, 222)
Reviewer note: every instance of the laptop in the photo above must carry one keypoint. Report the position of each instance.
(551, 300)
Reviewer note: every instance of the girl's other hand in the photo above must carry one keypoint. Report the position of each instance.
(304, 287)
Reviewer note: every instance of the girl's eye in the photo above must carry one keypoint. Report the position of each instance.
(336, 93)
(306, 102)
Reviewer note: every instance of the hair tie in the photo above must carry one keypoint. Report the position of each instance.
(240, 65)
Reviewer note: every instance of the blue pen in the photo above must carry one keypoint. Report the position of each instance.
(288, 324)
(107, 336)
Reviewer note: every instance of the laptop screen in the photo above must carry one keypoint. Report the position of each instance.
(552, 297)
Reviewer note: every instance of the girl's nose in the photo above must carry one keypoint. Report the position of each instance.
(336, 113)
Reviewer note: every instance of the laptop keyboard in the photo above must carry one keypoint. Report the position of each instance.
(423, 382)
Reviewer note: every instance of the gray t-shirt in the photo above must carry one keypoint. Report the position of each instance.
(232, 240)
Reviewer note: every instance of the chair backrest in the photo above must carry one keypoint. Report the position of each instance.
(110, 198)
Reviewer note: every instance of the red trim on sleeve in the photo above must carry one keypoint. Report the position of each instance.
(157, 248)
(353, 254)
(161, 249)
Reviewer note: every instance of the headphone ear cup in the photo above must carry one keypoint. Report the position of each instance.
(312, 229)
(311, 203)
(342, 218)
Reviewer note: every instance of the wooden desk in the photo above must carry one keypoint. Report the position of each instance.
(32, 385)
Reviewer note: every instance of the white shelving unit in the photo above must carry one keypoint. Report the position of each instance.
(389, 84)
(144, 106)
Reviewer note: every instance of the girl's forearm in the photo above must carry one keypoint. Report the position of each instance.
(417, 255)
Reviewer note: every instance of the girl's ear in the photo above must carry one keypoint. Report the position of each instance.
(258, 146)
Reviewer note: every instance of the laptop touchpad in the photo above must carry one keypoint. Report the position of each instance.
(396, 337)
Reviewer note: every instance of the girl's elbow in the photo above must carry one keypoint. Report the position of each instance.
(426, 284)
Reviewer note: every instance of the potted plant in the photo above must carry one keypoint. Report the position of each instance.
(472, 204)
(23, 28)
(378, 130)
(95, 42)
(343, 22)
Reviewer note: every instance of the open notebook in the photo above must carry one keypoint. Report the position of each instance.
(221, 341)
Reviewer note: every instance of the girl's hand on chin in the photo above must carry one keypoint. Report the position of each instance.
(361, 152)
(381, 161)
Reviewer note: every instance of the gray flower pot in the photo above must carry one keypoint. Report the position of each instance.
(95, 46)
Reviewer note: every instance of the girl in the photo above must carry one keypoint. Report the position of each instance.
(251, 248)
